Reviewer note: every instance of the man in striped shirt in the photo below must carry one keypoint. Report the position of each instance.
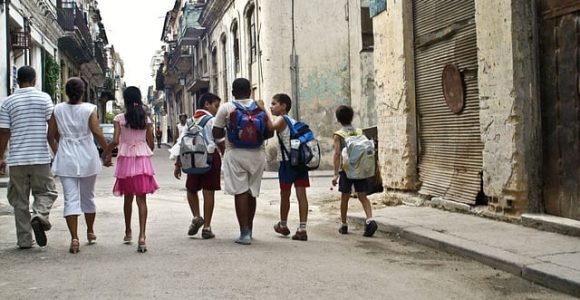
(23, 122)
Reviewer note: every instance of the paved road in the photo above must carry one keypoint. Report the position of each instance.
(328, 266)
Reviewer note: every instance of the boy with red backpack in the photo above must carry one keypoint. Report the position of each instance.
(245, 124)
(206, 180)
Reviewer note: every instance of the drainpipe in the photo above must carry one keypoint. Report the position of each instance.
(294, 70)
(8, 47)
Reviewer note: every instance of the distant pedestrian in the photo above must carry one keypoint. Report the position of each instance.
(71, 131)
(134, 170)
(208, 182)
(180, 128)
(344, 115)
(158, 135)
(244, 158)
(23, 122)
(287, 174)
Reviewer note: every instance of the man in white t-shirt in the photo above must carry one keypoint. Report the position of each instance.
(180, 128)
(242, 167)
(23, 122)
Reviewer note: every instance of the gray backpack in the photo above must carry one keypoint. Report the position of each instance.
(193, 149)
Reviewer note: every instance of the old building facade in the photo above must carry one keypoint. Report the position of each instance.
(60, 39)
(476, 106)
(281, 47)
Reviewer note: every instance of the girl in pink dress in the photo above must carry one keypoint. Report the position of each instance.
(134, 171)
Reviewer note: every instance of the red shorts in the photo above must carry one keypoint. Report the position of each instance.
(209, 181)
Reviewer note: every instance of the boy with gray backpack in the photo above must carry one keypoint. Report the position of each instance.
(201, 161)
(354, 163)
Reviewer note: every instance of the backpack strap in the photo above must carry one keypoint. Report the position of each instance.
(290, 126)
(285, 152)
(204, 120)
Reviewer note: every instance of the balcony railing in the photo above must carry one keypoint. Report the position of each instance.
(100, 56)
(71, 18)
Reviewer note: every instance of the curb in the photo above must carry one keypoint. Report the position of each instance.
(547, 274)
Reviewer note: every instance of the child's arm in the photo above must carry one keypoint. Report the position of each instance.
(336, 159)
(177, 170)
(149, 137)
(53, 136)
(98, 134)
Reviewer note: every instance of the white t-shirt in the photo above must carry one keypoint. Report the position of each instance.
(26, 113)
(222, 118)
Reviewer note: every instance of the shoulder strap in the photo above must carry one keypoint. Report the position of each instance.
(290, 126)
(204, 120)
(285, 152)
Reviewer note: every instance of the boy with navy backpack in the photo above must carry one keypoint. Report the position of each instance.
(203, 175)
(244, 123)
(290, 173)
(353, 171)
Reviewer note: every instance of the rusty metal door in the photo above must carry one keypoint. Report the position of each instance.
(560, 89)
(450, 159)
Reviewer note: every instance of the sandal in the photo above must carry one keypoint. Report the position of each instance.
(141, 247)
(91, 237)
(127, 239)
(74, 246)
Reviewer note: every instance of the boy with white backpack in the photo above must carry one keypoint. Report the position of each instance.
(353, 163)
(199, 158)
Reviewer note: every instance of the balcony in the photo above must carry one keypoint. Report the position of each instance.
(77, 42)
(21, 39)
(189, 29)
(181, 59)
(101, 56)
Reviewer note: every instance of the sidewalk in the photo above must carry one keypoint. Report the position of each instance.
(546, 258)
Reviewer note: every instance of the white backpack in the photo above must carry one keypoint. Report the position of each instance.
(194, 152)
(358, 155)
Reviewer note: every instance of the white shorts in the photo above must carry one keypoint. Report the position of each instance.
(243, 169)
(79, 195)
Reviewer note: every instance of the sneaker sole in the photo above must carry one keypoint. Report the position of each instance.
(39, 233)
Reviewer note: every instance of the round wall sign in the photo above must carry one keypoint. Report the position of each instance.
(453, 88)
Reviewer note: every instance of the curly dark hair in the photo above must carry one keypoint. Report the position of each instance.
(135, 115)
(75, 89)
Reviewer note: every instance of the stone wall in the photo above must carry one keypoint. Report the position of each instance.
(395, 96)
(509, 116)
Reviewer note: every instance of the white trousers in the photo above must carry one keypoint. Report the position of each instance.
(79, 195)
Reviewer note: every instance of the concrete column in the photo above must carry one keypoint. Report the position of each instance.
(509, 117)
(3, 54)
(395, 95)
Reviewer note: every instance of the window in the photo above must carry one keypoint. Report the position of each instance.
(214, 70)
(252, 51)
(236, 47)
(366, 29)
(224, 67)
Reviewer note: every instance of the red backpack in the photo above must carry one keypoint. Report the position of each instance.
(247, 127)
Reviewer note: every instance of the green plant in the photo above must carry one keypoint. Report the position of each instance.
(109, 117)
(51, 76)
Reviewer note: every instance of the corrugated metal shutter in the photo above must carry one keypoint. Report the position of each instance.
(450, 158)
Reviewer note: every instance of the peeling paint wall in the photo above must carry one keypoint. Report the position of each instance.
(324, 66)
(395, 96)
(509, 116)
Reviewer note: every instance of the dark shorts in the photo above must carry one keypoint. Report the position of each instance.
(345, 184)
(287, 175)
(209, 181)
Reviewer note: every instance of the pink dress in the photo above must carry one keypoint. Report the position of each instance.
(134, 170)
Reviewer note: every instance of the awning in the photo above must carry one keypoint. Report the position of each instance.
(198, 84)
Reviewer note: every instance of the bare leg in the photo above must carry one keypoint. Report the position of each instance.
(284, 204)
(128, 210)
(208, 204)
(366, 204)
(193, 201)
(302, 204)
(251, 210)
(72, 223)
(142, 205)
(344, 197)
(90, 219)
(242, 209)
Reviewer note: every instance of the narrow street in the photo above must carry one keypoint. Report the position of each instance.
(328, 266)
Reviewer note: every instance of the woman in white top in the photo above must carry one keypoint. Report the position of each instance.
(70, 135)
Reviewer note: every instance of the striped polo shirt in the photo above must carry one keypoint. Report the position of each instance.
(26, 113)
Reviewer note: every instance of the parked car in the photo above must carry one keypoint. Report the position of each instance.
(108, 130)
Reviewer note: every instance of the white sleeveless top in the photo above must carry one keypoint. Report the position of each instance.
(77, 155)
(285, 137)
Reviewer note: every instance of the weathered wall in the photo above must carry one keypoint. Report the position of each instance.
(323, 61)
(509, 116)
(395, 96)
(362, 71)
